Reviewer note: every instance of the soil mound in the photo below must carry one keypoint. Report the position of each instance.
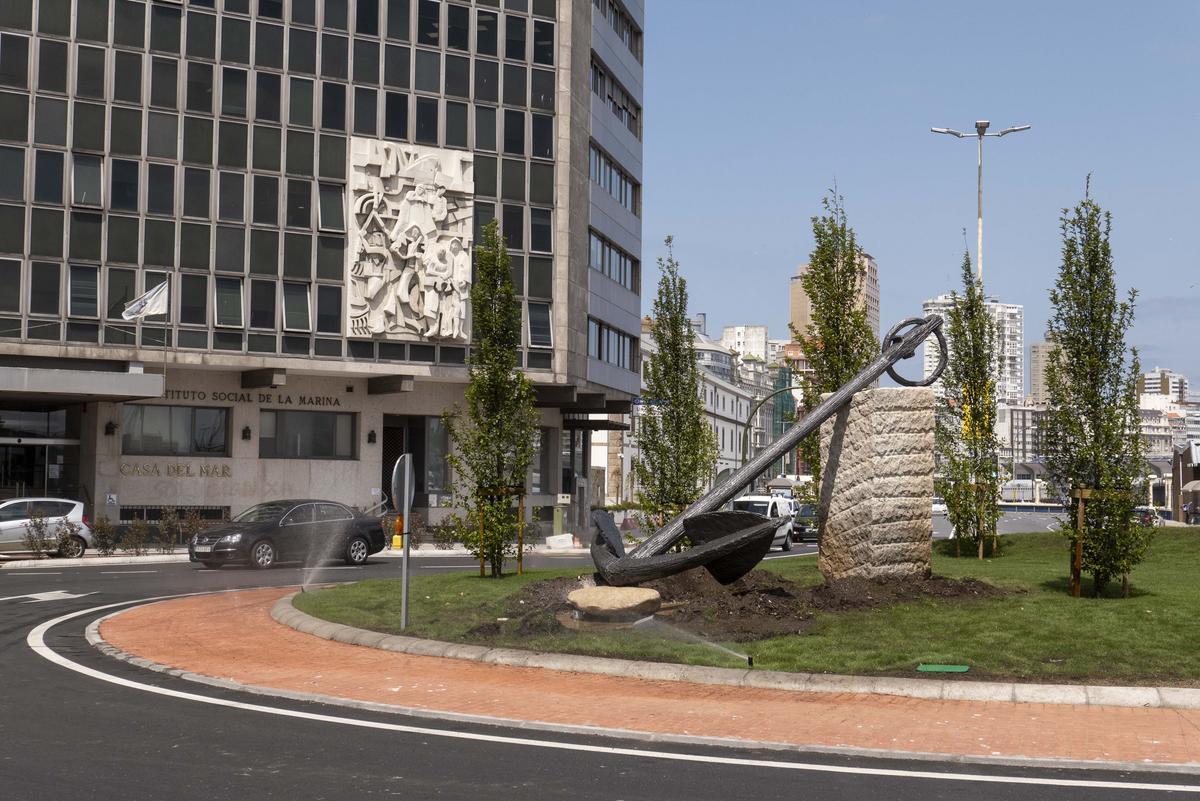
(757, 606)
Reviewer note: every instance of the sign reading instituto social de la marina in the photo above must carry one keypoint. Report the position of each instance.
(408, 258)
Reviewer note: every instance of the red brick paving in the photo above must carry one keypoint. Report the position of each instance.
(232, 636)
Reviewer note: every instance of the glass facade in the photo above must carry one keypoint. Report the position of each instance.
(206, 144)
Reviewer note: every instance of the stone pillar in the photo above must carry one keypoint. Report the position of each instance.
(877, 487)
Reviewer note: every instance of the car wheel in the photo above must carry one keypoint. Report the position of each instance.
(212, 565)
(787, 541)
(357, 551)
(262, 555)
(72, 548)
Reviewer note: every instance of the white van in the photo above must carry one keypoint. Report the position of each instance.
(770, 506)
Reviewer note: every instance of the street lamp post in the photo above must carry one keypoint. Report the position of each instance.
(981, 127)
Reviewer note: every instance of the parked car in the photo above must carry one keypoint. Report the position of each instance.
(770, 506)
(939, 507)
(289, 530)
(804, 522)
(1146, 516)
(16, 513)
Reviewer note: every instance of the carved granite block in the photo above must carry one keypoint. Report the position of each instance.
(877, 488)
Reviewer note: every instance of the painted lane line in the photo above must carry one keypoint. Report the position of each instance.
(124, 572)
(446, 567)
(30, 573)
(37, 642)
(339, 567)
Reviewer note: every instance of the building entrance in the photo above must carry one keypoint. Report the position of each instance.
(39, 452)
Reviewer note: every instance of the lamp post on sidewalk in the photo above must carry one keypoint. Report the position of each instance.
(981, 127)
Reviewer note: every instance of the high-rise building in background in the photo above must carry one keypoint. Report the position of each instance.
(1009, 372)
(1039, 355)
(747, 340)
(1161, 381)
(800, 308)
(309, 180)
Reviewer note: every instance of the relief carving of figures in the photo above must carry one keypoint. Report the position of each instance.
(409, 249)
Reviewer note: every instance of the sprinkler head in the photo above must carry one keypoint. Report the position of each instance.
(750, 661)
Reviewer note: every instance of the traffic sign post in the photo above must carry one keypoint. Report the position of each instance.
(403, 489)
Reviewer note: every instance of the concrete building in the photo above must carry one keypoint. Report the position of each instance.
(1009, 372)
(746, 340)
(800, 308)
(309, 180)
(1160, 381)
(1018, 432)
(1039, 355)
(1191, 411)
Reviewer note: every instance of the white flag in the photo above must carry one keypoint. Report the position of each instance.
(156, 301)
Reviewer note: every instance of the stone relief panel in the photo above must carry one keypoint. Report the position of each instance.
(408, 254)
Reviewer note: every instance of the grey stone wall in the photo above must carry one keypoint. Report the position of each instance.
(877, 488)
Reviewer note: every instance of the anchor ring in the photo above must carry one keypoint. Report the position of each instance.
(894, 337)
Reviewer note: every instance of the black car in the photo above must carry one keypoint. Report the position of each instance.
(294, 530)
(804, 524)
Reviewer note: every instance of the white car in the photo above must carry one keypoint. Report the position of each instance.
(14, 522)
(770, 506)
(939, 507)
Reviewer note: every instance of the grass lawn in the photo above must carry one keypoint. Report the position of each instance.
(1037, 633)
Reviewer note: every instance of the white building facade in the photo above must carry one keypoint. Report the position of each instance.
(1009, 371)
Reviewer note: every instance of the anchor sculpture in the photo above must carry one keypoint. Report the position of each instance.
(730, 544)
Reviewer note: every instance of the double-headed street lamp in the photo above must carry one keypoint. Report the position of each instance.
(980, 131)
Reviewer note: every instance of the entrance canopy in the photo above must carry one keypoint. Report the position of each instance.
(44, 383)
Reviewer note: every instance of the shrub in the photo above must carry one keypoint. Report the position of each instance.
(66, 531)
(168, 530)
(137, 534)
(192, 524)
(103, 536)
(36, 537)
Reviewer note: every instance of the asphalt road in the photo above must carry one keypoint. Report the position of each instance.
(71, 736)
(1010, 523)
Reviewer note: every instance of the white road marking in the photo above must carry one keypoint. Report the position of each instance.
(36, 641)
(52, 595)
(788, 556)
(124, 572)
(29, 573)
(467, 566)
(340, 567)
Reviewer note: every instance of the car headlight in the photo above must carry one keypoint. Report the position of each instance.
(232, 538)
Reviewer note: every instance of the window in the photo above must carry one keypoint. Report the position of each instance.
(543, 43)
(456, 124)
(302, 51)
(44, 280)
(512, 180)
(427, 120)
(267, 149)
(299, 204)
(614, 262)
(10, 276)
(397, 19)
(335, 54)
(365, 118)
(295, 307)
(262, 304)
(300, 102)
(366, 61)
(514, 85)
(48, 176)
(539, 230)
(335, 14)
(395, 115)
(121, 285)
(193, 299)
(197, 140)
(332, 208)
(199, 87)
(153, 430)
(50, 122)
(89, 71)
(539, 325)
(162, 137)
(485, 128)
(160, 191)
(235, 40)
(83, 292)
(486, 31)
(621, 23)
(428, 18)
(86, 180)
(266, 199)
(604, 172)
(305, 435)
(233, 92)
(514, 132)
(514, 37)
(268, 46)
(201, 35)
(542, 134)
(228, 302)
(129, 24)
(164, 28)
(333, 106)
(12, 173)
(52, 65)
(428, 71)
(395, 67)
(620, 102)
(329, 309)
(14, 61)
(366, 17)
(231, 196)
(196, 192)
(267, 97)
(458, 76)
(513, 225)
(610, 345)
(127, 77)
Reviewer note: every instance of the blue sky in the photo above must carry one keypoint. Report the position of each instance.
(753, 109)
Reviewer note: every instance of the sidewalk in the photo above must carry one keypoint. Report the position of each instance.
(243, 644)
(91, 559)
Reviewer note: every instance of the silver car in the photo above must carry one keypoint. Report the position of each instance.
(14, 524)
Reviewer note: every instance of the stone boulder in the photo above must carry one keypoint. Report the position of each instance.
(615, 603)
(877, 489)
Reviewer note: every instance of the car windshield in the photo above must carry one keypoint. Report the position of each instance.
(808, 509)
(758, 507)
(263, 512)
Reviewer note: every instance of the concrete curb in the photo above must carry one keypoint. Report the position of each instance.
(92, 634)
(284, 612)
(88, 560)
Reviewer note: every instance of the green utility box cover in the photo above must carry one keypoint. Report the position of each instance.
(943, 668)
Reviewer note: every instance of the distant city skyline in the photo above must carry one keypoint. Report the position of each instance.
(844, 95)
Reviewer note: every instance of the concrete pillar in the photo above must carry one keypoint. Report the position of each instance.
(877, 487)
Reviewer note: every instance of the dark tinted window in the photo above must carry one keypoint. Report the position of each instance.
(267, 97)
(427, 120)
(201, 35)
(127, 77)
(268, 47)
(428, 22)
(164, 28)
(164, 81)
(52, 65)
(458, 27)
(366, 17)
(486, 26)
(514, 37)
(397, 19)
(395, 115)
